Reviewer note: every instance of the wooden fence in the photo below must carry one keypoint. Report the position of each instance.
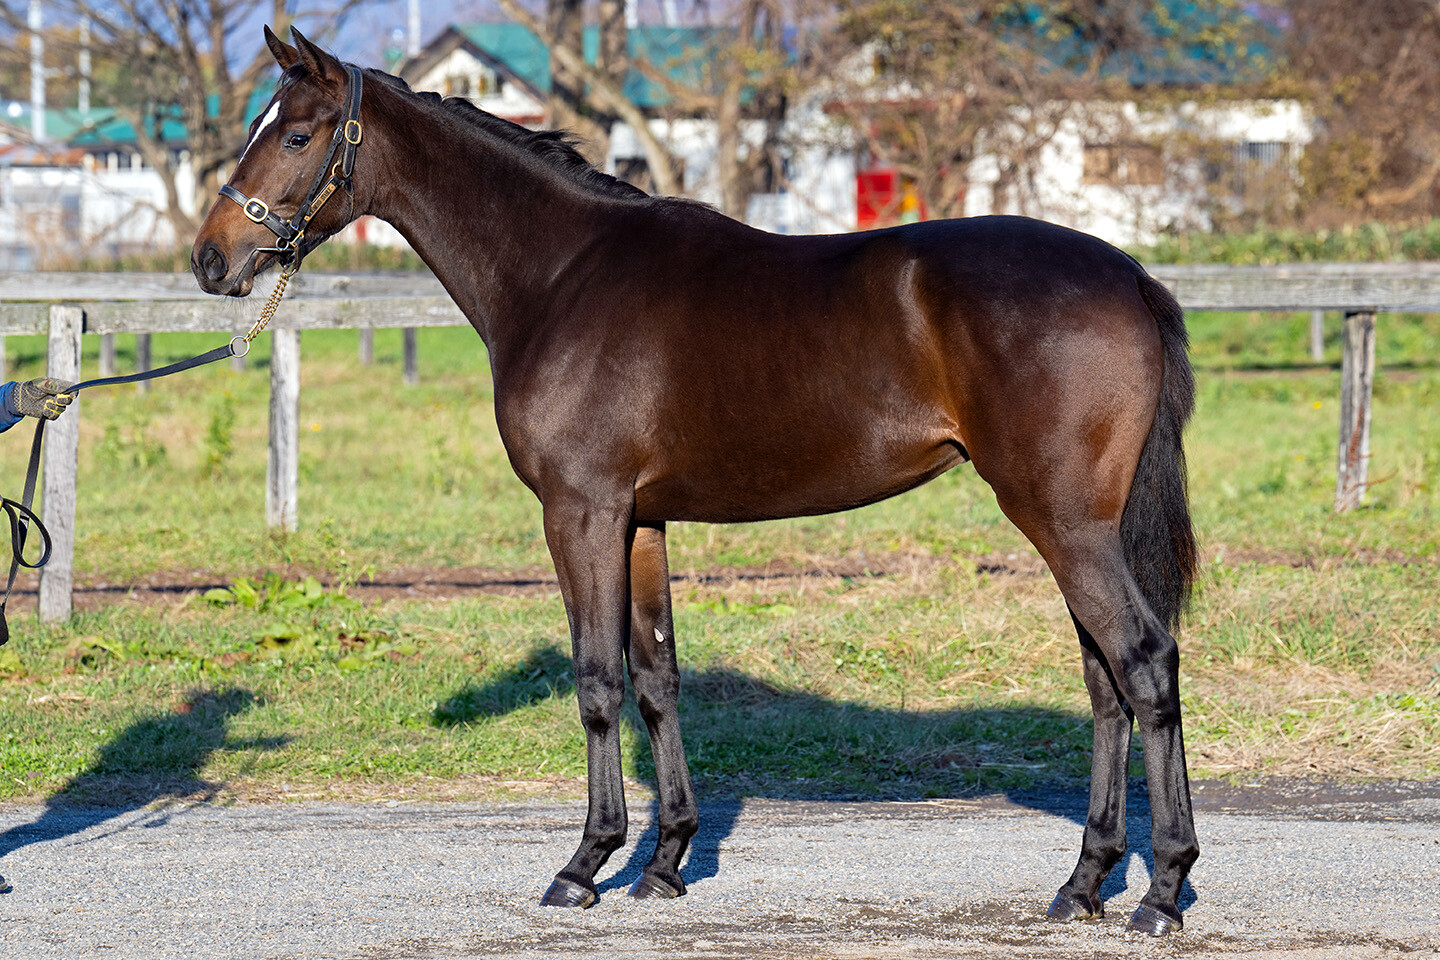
(65, 307)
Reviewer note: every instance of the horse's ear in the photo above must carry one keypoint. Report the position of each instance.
(318, 63)
(285, 55)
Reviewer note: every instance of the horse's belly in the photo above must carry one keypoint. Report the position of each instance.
(745, 488)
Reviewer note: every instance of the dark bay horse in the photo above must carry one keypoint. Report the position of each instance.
(656, 361)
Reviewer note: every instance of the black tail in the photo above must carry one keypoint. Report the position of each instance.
(1159, 540)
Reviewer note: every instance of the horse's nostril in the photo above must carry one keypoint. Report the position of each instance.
(213, 262)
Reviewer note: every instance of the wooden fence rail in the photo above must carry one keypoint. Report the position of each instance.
(64, 307)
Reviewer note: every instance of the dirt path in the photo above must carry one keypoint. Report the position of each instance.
(449, 583)
(1289, 872)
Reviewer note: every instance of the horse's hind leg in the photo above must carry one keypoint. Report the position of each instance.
(588, 543)
(1104, 843)
(1089, 565)
(651, 656)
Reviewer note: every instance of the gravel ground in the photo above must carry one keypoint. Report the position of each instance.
(1301, 872)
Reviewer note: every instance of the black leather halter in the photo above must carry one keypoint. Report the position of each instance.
(329, 178)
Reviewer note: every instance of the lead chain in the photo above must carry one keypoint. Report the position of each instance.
(273, 303)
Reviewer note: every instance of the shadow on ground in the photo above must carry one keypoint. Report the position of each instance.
(1036, 758)
(157, 758)
(731, 721)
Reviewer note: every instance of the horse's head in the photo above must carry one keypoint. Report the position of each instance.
(296, 149)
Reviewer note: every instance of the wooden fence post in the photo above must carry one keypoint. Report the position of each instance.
(1357, 382)
(142, 360)
(367, 346)
(412, 358)
(107, 354)
(61, 461)
(1317, 335)
(282, 474)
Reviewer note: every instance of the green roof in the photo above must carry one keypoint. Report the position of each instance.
(103, 126)
(681, 53)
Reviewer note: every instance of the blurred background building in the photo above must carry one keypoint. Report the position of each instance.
(1127, 121)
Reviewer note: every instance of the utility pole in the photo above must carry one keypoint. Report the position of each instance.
(84, 103)
(37, 73)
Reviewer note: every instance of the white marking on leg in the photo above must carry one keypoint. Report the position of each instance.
(659, 637)
(270, 116)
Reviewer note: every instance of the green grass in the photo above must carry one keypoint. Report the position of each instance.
(1367, 242)
(943, 683)
(1313, 647)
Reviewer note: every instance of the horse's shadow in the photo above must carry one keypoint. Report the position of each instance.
(722, 711)
(170, 747)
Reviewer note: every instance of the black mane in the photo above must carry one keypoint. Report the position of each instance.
(555, 147)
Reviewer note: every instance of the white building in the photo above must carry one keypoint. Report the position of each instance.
(1105, 170)
(84, 195)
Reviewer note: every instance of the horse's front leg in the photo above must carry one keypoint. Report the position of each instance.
(589, 545)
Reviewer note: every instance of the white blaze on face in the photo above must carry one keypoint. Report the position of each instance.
(269, 118)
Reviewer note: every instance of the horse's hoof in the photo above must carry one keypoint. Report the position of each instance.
(568, 893)
(1152, 922)
(1066, 908)
(5, 885)
(647, 887)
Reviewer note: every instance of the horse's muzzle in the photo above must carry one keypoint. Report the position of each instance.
(212, 272)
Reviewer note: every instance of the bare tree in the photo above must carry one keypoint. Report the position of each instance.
(1368, 71)
(197, 63)
(754, 64)
(602, 92)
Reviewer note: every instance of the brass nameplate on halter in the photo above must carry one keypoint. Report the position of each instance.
(320, 200)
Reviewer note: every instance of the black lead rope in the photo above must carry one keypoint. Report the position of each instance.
(19, 512)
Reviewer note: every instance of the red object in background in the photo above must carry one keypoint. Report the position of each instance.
(883, 198)
(876, 198)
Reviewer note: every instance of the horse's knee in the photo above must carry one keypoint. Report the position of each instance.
(599, 699)
(657, 695)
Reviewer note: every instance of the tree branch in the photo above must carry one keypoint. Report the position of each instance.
(605, 95)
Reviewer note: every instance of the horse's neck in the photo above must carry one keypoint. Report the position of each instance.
(495, 230)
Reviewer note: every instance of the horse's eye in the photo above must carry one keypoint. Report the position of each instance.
(296, 140)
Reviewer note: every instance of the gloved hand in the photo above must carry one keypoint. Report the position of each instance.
(42, 397)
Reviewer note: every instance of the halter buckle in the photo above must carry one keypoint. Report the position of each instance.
(359, 132)
(253, 205)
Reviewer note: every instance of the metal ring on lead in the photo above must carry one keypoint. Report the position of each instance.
(359, 132)
(255, 202)
(240, 353)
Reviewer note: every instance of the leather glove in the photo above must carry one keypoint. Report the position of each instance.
(42, 397)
